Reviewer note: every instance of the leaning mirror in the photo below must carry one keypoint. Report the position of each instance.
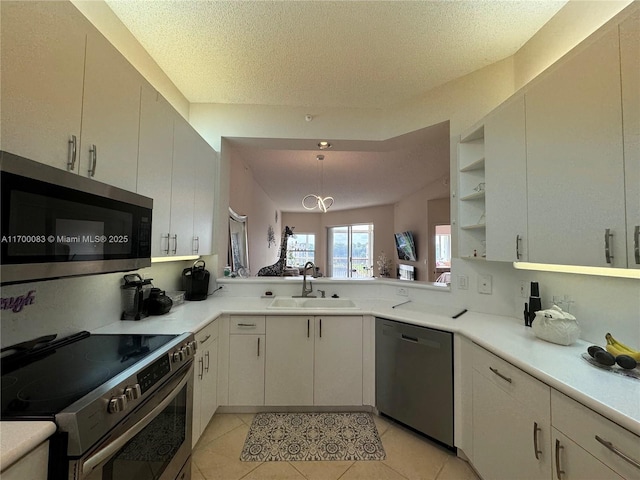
(238, 247)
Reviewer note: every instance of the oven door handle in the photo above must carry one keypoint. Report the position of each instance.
(111, 448)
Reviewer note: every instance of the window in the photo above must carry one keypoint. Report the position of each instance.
(350, 251)
(301, 248)
(443, 246)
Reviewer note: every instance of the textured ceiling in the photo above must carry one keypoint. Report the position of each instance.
(355, 54)
(344, 54)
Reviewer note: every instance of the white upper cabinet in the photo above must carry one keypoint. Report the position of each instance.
(155, 157)
(43, 48)
(506, 182)
(66, 89)
(204, 197)
(575, 170)
(185, 151)
(110, 115)
(630, 70)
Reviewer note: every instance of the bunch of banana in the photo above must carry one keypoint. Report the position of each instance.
(625, 356)
(615, 347)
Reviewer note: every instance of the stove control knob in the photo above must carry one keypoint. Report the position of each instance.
(175, 357)
(133, 392)
(188, 349)
(117, 403)
(194, 345)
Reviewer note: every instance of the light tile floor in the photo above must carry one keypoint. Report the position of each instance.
(409, 456)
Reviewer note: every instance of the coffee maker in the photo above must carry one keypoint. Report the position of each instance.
(195, 281)
(135, 297)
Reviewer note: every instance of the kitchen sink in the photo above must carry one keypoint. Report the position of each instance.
(309, 303)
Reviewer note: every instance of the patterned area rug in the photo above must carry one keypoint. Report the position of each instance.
(288, 437)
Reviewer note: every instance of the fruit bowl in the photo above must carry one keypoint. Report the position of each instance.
(633, 373)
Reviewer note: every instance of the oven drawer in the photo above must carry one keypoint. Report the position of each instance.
(252, 324)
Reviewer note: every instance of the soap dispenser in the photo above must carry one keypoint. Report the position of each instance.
(535, 303)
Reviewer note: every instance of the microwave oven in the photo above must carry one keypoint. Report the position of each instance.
(59, 224)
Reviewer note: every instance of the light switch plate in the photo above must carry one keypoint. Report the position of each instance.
(463, 282)
(485, 284)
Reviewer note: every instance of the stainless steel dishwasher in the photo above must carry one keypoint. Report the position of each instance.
(414, 377)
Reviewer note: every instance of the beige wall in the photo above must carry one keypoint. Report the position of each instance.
(246, 197)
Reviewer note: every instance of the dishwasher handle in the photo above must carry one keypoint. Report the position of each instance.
(397, 335)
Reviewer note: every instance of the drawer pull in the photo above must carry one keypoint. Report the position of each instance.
(559, 471)
(536, 429)
(247, 325)
(622, 455)
(495, 370)
(205, 339)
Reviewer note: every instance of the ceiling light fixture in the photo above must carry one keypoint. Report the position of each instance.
(313, 201)
(324, 145)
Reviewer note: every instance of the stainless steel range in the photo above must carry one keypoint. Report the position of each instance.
(122, 403)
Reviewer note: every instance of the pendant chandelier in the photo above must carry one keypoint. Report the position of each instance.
(313, 201)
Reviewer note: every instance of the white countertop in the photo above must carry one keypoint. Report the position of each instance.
(614, 396)
(19, 438)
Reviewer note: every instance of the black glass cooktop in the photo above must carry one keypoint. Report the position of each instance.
(53, 378)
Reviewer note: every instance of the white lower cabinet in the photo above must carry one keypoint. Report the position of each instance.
(295, 360)
(205, 390)
(524, 429)
(289, 361)
(314, 360)
(246, 360)
(589, 446)
(571, 462)
(337, 372)
(511, 421)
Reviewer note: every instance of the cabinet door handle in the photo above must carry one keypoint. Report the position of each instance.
(536, 429)
(168, 236)
(93, 154)
(320, 328)
(495, 370)
(258, 346)
(196, 244)
(518, 240)
(308, 327)
(636, 244)
(206, 367)
(607, 245)
(559, 471)
(201, 364)
(621, 454)
(73, 149)
(175, 244)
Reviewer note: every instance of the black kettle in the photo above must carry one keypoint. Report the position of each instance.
(159, 302)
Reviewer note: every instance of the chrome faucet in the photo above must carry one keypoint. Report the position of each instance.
(306, 291)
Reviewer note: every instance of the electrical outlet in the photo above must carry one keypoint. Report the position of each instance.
(485, 284)
(402, 292)
(463, 282)
(523, 289)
